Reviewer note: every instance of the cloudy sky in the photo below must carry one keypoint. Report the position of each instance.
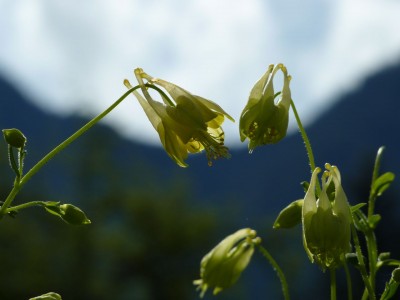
(72, 56)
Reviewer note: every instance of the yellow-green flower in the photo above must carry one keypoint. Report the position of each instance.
(222, 266)
(185, 124)
(326, 222)
(263, 121)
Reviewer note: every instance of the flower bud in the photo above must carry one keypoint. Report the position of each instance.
(222, 266)
(14, 137)
(326, 224)
(263, 121)
(67, 212)
(290, 216)
(73, 215)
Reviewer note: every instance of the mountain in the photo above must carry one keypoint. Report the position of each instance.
(247, 190)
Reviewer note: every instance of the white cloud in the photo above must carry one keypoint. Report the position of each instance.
(71, 56)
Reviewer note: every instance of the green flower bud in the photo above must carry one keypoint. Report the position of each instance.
(186, 124)
(73, 215)
(263, 121)
(326, 224)
(48, 296)
(290, 216)
(67, 212)
(14, 137)
(222, 266)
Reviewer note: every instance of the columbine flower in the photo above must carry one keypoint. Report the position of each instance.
(222, 266)
(188, 124)
(263, 121)
(326, 222)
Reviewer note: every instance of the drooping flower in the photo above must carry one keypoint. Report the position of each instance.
(326, 222)
(185, 124)
(222, 266)
(262, 120)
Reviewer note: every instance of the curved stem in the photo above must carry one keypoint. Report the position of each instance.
(333, 283)
(20, 183)
(306, 142)
(281, 275)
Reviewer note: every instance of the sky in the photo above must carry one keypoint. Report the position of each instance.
(71, 57)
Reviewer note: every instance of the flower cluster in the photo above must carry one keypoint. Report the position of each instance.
(185, 124)
(222, 266)
(263, 121)
(326, 220)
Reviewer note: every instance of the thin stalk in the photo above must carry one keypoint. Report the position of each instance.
(333, 283)
(369, 290)
(348, 281)
(372, 256)
(306, 142)
(25, 205)
(375, 174)
(20, 183)
(278, 270)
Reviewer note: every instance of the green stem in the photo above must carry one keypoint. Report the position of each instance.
(348, 281)
(306, 142)
(372, 256)
(25, 205)
(333, 283)
(363, 271)
(12, 161)
(20, 183)
(375, 173)
(281, 275)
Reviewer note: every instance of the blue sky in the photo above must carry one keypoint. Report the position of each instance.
(72, 56)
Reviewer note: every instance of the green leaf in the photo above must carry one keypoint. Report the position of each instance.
(383, 256)
(382, 183)
(361, 221)
(374, 220)
(48, 296)
(357, 207)
(392, 285)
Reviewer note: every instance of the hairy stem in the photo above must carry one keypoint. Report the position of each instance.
(281, 275)
(20, 183)
(306, 142)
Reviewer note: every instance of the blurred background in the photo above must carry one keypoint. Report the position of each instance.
(62, 62)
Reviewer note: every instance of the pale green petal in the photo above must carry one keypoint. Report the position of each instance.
(258, 90)
(217, 122)
(323, 201)
(309, 204)
(151, 114)
(214, 107)
(173, 145)
(341, 204)
(285, 96)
